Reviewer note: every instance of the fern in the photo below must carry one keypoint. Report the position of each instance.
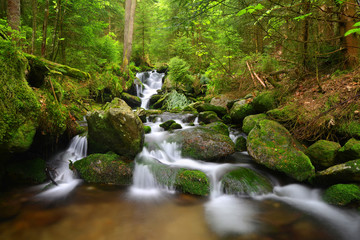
(176, 100)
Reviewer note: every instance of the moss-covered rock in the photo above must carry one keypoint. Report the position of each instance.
(341, 173)
(250, 122)
(349, 129)
(19, 106)
(271, 145)
(27, 171)
(204, 107)
(240, 110)
(193, 182)
(246, 181)
(161, 103)
(342, 194)
(116, 129)
(240, 144)
(219, 127)
(170, 125)
(322, 153)
(108, 168)
(208, 117)
(287, 113)
(131, 100)
(350, 151)
(203, 143)
(264, 102)
(147, 129)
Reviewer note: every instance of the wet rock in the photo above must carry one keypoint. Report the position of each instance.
(322, 153)
(203, 143)
(271, 145)
(342, 194)
(208, 117)
(240, 110)
(108, 168)
(117, 129)
(131, 100)
(341, 173)
(204, 107)
(193, 182)
(147, 129)
(251, 120)
(246, 181)
(350, 151)
(170, 125)
(240, 144)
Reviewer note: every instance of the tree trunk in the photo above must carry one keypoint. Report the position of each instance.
(45, 24)
(56, 29)
(350, 42)
(34, 11)
(13, 14)
(130, 6)
(305, 35)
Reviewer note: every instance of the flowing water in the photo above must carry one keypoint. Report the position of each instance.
(152, 209)
(150, 83)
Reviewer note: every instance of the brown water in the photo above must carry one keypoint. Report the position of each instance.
(103, 212)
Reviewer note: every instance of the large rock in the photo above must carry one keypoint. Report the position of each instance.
(342, 194)
(271, 145)
(246, 181)
(107, 168)
(203, 143)
(116, 129)
(208, 117)
(251, 120)
(341, 173)
(322, 153)
(350, 151)
(264, 102)
(193, 182)
(203, 107)
(131, 100)
(240, 110)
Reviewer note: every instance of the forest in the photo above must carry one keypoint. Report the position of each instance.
(239, 107)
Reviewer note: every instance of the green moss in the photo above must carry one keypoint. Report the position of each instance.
(221, 111)
(105, 168)
(322, 153)
(264, 102)
(193, 182)
(240, 110)
(349, 129)
(350, 151)
(219, 127)
(240, 144)
(342, 194)
(251, 120)
(147, 129)
(246, 181)
(208, 117)
(284, 114)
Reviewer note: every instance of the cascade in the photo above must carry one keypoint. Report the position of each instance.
(151, 81)
(63, 176)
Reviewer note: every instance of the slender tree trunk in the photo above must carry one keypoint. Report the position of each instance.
(56, 29)
(350, 42)
(130, 6)
(45, 25)
(13, 14)
(305, 35)
(34, 11)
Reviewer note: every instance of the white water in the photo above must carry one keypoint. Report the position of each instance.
(64, 176)
(152, 81)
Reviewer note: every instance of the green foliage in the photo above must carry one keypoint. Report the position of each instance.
(176, 100)
(179, 72)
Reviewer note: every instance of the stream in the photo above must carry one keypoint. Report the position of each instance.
(152, 209)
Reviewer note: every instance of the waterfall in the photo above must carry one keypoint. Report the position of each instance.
(151, 81)
(62, 174)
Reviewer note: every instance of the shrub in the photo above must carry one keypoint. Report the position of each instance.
(179, 72)
(176, 100)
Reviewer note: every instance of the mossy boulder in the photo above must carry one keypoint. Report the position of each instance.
(264, 102)
(342, 194)
(240, 110)
(170, 125)
(322, 153)
(27, 171)
(117, 129)
(288, 113)
(161, 103)
(349, 129)
(208, 117)
(108, 168)
(219, 127)
(251, 120)
(350, 151)
(204, 107)
(147, 129)
(203, 143)
(246, 181)
(193, 182)
(19, 106)
(341, 173)
(131, 100)
(271, 145)
(240, 144)
(154, 98)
